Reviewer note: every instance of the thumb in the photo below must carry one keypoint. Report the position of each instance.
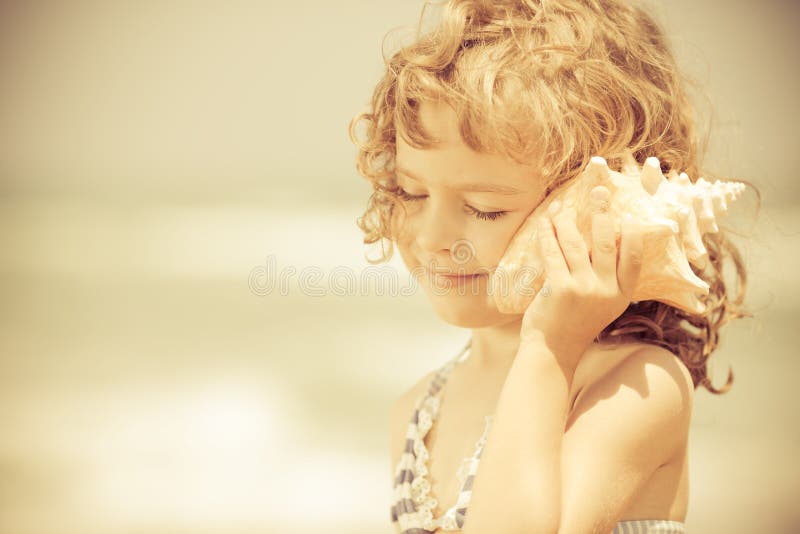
(631, 253)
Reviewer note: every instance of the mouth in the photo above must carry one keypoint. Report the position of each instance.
(454, 278)
(432, 269)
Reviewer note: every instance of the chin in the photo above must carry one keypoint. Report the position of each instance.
(471, 316)
(466, 307)
(467, 318)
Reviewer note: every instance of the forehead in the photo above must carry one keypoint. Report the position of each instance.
(452, 161)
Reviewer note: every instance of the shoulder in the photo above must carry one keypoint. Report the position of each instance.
(645, 385)
(609, 362)
(663, 365)
(660, 370)
(658, 374)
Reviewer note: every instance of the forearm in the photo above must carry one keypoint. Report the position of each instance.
(518, 485)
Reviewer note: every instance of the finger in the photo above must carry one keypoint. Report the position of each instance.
(631, 255)
(604, 239)
(554, 264)
(572, 243)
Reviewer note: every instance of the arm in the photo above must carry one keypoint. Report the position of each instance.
(517, 487)
(535, 478)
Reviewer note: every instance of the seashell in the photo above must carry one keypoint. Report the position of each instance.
(672, 211)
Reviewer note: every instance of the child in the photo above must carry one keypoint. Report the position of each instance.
(578, 410)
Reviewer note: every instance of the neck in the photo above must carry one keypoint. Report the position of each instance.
(494, 347)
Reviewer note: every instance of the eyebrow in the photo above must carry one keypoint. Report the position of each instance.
(474, 187)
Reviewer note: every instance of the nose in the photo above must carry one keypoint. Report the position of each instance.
(435, 228)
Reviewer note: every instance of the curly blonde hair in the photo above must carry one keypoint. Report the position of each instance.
(555, 82)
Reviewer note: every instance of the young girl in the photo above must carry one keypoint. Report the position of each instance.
(578, 410)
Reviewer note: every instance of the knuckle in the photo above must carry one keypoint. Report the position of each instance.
(571, 289)
(586, 291)
(578, 294)
(572, 245)
(606, 247)
(607, 292)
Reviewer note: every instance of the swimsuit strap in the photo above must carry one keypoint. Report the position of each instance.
(458, 358)
(444, 371)
(447, 368)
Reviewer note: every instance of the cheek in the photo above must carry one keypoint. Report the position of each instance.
(401, 237)
(492, 244)
(405, 254)
(399, 227)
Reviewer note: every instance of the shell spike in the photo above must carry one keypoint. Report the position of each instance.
(672, 175)
(718, 197)
(651, 176)
(706, 220)
(692, 242)
(597, 171)
(629, 163)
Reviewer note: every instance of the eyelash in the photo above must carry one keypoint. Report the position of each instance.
(482, 215)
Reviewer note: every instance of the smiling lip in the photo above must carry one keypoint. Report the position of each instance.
(455, 276)
(455, 280)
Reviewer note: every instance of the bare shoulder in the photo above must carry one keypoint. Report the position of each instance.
(660, 368)
(667, 362)
(401, 412)
(640, 380)
(669, 378)
(628, 358)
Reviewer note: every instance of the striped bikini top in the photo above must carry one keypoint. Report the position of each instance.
(412, 502)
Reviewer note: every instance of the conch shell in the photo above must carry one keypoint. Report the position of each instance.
(673, 213)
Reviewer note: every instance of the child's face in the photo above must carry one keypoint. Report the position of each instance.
(442, 230)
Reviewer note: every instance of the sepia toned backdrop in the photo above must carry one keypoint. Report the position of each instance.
(189, 342)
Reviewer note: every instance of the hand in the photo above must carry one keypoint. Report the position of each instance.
(581, 295)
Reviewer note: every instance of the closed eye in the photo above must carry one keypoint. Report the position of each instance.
(478, 214)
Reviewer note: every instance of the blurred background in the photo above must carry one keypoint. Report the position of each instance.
(171, 174)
